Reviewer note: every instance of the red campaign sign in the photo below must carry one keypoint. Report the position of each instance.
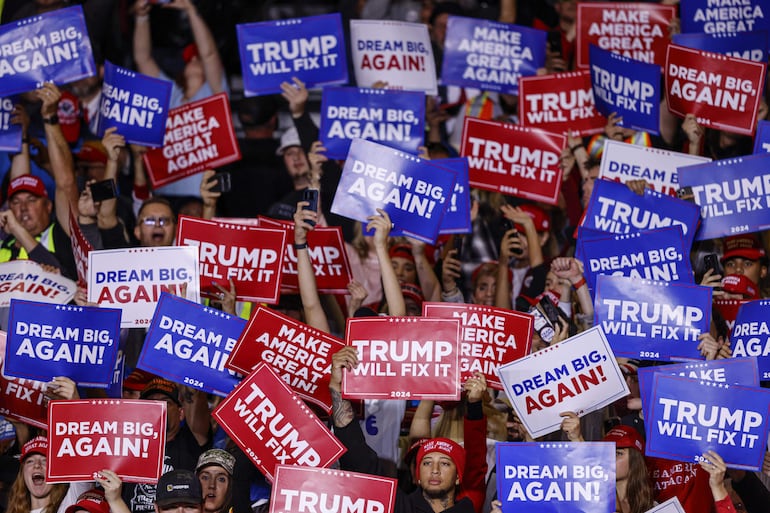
(560, 102)
(297, 487)
(636, 30)
(21, 399)
(489, 337)
(512, 159)
(722, 92)
(80, 249)
(728, 309)
(125, 435)
(273, 426)
(199, 136)
(300, 354)
(251, 256)
(404, 358)
(326, 248)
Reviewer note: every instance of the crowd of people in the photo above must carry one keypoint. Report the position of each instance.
(516, 253)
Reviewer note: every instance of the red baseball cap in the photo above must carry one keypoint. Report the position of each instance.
(740, 284)
(27, 183)
(190, 51)
(744, 246)
(92, 501)
(540, 217)
(401, 251)
(38, 445)
(445, 446)
(92, 151)
(413, 292)
(625, 436)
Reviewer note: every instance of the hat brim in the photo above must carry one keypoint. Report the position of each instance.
(747, 253)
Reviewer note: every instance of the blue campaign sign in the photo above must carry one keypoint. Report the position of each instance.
(762, 139)
(51, 47)
(565, 477)
(625, 86)
(690, 416)
(657, 255)
(751, 46)
(47, 340)
(134, 103)
(311, 49)
(615, 208)
(413, 191)
(457, 218)
(489, 55)
(714, 17)
(652, 320)
(10, 134)
(750, 336)
(733, 195)
(115, 387)
(392, 118)
(189, 343)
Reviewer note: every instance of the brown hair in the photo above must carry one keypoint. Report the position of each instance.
(638, 488)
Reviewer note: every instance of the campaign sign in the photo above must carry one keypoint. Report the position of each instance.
(627, 87)
(615, 208)
(133, 279)
(7, 431)
(10, 134)
(413, 191)
(512, 159)
(404, 358)
(296, 487)
(395, 52)
(199, 136)
(250, 256)
(326, 249)
(579, 375)
(21, 399)
(733, 195)
(652, 320)
(457, 218)
(392, 118)
(751, 46)
(273, 426)
(722, 92)
(655, 255)
(560, 102)
(638, 31)
(728, 309)
(670, 506)
(622, 162)
(126, 436)
(45, 341)
(311, 49)
(189, 343)
(51, 47)
(25, 279)
(489, 337)
(137, 105)
(750, 336)
(762, 139)
(556, 477)
(490, 55)
(300, 354)
(719, 17)
(80, 249)
(689, 417)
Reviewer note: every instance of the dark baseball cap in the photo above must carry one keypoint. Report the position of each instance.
(178, 487)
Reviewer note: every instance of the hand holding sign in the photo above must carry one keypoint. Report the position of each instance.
(61, 387)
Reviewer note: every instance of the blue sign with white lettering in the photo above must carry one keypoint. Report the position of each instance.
(51, 47)
(762, 139)
(47, 340)
(311, 49)
(189, 343)
(490, 55)
(751, 46)
(562, 477)
(652, 320)
(10, 133)
(715, 17)
(413, 191)
(625, 86)
(733, 195)
(750, 336)
(392, 118)
(690, 416)
(457, 218)
(134, 103)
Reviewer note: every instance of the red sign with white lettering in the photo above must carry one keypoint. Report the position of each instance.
(21, 399)
(489, 337)
(513, 159)
(560, 102)
(300, 354)
(636, 30)
(297, 487)
(251, 256)
(404, 358)
(199, 136)
(124, 435)
(722, 92)
(80, 249)
(273, 426)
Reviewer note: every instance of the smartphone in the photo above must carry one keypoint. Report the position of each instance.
(554, 41)
(711, 261)
(685, 193)
(509, 225)
(223, 183)
(104, 190)
(551, 311)
(311, 196)
(458, 246)
(542, 326)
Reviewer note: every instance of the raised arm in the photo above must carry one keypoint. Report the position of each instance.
(381, 225)
(308, 289)
(208, 54)
(145, 63)
(20, 162)
(113, 142)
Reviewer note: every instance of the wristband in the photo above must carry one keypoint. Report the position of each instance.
(304, 246)
(579, 283)
(53, 120)
(572, 150)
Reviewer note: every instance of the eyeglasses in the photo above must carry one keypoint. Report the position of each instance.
(156, 221)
